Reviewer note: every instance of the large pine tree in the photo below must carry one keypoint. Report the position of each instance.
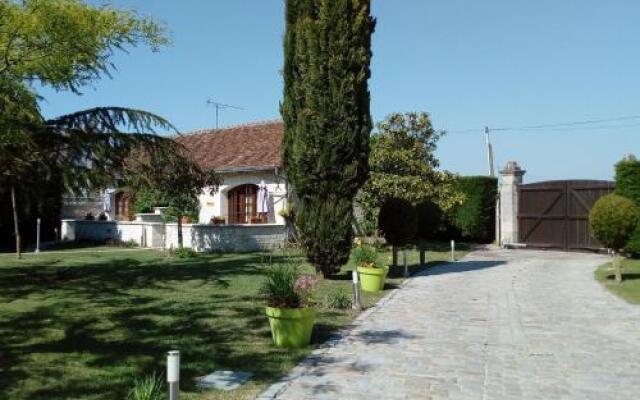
(327, 49)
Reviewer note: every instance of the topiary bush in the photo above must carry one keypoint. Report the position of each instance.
(613, 220)
(430, 221)
(628, 185)
(398, 222)
(475, 218)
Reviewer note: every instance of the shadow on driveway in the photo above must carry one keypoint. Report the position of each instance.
(460, 266)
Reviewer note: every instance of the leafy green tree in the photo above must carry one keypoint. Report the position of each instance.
(66, 44)
(403, 165)
(174, 177)
(613, 220)
(327, 48)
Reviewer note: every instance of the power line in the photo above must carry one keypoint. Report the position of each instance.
(556, 125)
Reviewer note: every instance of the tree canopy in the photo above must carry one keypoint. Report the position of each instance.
(402, 165)
(66, 44)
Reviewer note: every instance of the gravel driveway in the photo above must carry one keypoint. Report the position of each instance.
(499, 324)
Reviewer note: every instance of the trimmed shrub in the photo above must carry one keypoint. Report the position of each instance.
(398, 221)
(613, 220)
(475, 218)
(628, 185)
(430, 221)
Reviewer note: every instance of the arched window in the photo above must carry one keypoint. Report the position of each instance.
(242, 204)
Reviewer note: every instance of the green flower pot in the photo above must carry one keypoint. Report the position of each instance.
(291, 327)
(372, 279)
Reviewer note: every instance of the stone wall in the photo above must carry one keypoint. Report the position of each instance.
(232, 238)
(200, 237)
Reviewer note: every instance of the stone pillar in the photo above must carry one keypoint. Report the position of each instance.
(511, 178)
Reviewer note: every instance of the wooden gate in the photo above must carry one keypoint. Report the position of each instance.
(555, 214)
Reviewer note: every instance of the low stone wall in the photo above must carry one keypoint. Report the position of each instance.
(144, 234)
(233, 238)
(200, 237)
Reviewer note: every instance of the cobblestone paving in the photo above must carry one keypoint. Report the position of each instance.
(498, 325)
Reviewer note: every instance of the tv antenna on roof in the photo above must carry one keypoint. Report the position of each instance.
(220, 106)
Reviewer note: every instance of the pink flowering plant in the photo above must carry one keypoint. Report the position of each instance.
(285, 287)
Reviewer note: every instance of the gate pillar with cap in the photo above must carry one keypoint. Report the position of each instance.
(510, 180)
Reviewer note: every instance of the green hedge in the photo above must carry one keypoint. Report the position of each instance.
(628, 185)
(475, 218)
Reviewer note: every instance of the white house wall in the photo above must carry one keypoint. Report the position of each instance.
(216, 205)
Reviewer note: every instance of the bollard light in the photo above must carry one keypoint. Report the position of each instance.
(173, 374)
(356, 290)
(453, 250)
(38, 235)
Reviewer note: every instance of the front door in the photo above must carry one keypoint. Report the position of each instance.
(242, 204)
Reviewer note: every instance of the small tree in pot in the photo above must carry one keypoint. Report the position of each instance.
(613, 220)
(289, 305)
(398, 222)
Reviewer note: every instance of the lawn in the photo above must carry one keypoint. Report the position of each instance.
(83, 324)
(629, 289)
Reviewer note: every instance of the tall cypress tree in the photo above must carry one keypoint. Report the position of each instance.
(327, 48)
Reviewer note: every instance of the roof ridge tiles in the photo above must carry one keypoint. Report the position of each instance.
(236, 126)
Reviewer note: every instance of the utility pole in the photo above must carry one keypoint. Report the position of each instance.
(489, 152)
(219, 106)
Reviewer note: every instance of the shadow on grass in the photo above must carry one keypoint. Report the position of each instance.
(90, 330)
(625, 277)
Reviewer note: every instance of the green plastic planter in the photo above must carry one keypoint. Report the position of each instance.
(291, 327)
(372, 279)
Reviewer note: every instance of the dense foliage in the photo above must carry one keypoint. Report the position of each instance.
(403, 165)
(431, 221)
(628, 185)
(39, 196)
(475, 218)
(398, 221)
(66, 44)
(327, 48)
(613, 219)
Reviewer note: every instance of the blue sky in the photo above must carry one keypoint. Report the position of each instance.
(468, 63)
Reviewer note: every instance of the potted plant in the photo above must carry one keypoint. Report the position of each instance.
(289, 307)
(217, 220)
(372, 275)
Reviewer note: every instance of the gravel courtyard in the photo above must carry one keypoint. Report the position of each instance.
(499, 324)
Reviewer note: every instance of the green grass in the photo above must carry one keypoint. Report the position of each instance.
(629, 289)
(85, 324)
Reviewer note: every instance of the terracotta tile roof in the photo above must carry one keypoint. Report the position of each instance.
(250, 146)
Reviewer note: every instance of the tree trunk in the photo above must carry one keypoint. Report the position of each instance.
(16, 228)
(617, 268)
(180, 232)
(422, 256)
(394, 252)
